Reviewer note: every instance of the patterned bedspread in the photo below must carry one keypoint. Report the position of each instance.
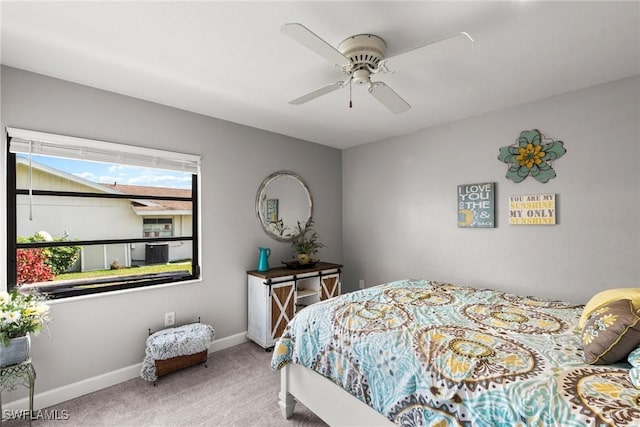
(427, 353)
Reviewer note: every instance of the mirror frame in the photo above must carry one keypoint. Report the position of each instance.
(261, 195)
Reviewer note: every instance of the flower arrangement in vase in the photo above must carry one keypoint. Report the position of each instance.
(21, 314)
(305, 245)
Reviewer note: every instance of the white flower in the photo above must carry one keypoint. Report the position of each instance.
(4, 297)
(41, 309)
(13, 316)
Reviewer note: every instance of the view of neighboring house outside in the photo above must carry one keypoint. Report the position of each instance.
(160, 218)
(102, 219)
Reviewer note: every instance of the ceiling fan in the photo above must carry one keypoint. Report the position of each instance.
(362, 55)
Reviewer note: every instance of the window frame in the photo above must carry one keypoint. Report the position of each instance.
(106, 285)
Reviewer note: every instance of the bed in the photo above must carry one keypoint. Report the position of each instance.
(419, 352)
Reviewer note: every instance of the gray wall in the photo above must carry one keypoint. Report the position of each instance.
(95, 335)
(399, 201)
(396, 202)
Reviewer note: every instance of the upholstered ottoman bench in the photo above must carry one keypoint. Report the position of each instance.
(175, 348)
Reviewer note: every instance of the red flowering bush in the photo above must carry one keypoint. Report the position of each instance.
(58, 258)
(32, 267)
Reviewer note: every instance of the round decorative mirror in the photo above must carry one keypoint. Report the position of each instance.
(283, 202)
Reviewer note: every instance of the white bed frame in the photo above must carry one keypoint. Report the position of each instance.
(330, 402)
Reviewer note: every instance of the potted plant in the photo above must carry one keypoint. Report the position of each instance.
(20, 315)
(305, 245)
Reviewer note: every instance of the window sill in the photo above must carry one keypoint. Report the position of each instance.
(56, 301)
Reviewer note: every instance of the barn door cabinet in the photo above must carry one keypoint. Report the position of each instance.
(276, 295)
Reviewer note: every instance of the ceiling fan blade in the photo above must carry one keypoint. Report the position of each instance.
(388, 97)
(317, 93)
(304, 36)
(453, 46)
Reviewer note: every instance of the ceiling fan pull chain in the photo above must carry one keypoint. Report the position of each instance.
(350, 103)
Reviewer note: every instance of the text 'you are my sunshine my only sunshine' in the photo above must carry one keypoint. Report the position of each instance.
(532, 209)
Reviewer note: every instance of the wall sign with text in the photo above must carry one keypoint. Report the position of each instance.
(476, 205)
(533, 209)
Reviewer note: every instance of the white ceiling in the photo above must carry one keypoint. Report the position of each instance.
(230, 60)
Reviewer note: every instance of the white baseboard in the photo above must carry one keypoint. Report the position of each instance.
(89, 385)
(229, 341)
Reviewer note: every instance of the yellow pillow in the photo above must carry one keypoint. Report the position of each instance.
(608, 296)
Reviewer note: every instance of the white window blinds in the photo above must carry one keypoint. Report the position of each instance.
(49, 144)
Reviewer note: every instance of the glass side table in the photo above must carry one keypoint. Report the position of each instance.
(11, 376)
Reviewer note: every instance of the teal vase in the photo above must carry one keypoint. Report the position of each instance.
(263, 259)
(18, 350)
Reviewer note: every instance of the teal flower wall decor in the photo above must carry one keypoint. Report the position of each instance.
(531, 155)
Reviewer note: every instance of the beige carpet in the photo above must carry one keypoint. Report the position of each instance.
(237, 389)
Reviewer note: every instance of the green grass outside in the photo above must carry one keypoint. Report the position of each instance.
(147, 269)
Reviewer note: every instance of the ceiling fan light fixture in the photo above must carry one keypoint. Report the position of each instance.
(361, 77)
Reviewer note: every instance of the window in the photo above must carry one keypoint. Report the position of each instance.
(157, 227)
(76, 208)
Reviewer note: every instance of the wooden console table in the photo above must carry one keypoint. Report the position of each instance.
(274, 297)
